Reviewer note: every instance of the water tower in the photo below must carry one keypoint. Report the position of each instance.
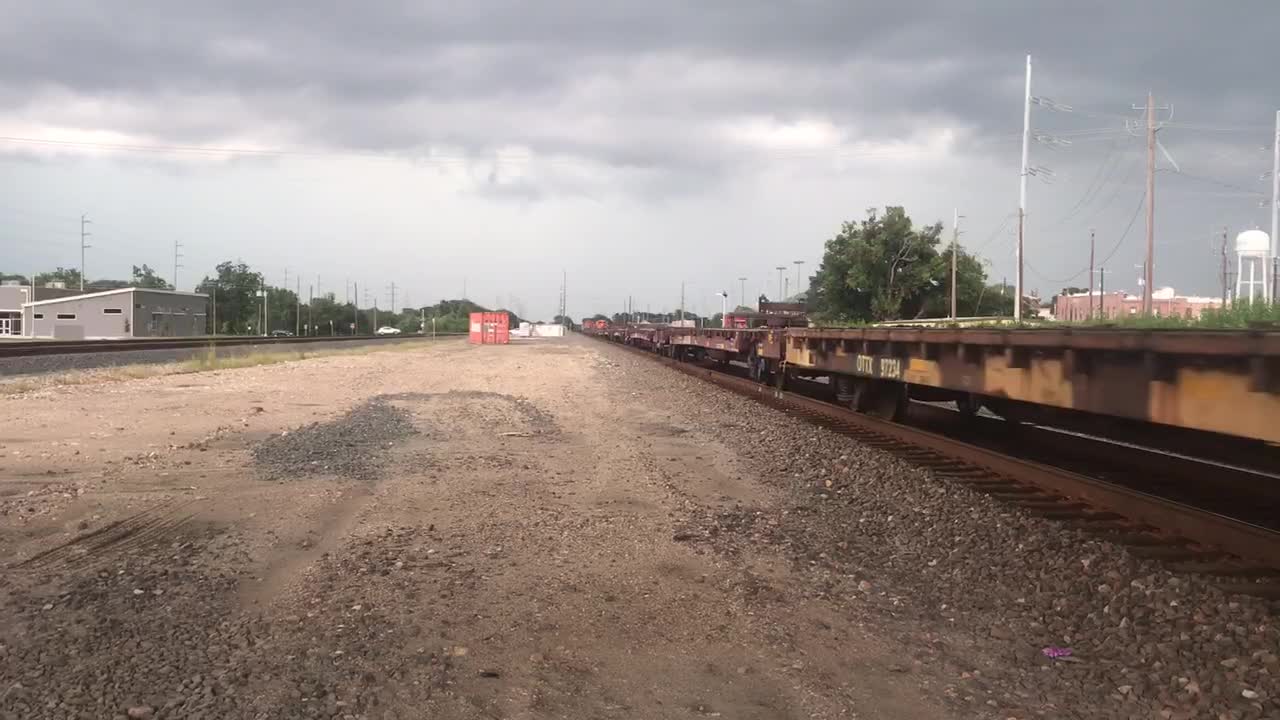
(1252, 248)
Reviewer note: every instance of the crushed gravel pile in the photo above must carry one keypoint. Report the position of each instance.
(352, 446)
(984, 587)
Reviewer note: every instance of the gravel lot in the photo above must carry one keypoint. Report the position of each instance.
(556, 530)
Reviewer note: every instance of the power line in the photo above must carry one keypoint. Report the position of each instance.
(1210, 128)
(1109, 162)
(1003, 224)
(1112, 197)
(1116, 247)
(1127, 228)
(1221, 183)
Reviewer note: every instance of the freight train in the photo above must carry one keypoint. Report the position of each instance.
(1225, 382)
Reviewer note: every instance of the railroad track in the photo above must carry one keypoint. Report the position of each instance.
(1245, 558)
(31, 348)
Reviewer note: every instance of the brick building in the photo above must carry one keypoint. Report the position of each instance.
(1164, 302)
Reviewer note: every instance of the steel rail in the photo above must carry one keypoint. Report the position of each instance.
(1211, 530)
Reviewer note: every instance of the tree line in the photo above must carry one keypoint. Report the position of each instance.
(237, 292)
(142, 276)
(235, 289)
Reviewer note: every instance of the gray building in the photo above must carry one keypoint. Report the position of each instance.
(14, 294)
(114, 314)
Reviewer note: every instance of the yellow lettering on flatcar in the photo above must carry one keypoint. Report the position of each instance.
(865, 365)
(890, 367)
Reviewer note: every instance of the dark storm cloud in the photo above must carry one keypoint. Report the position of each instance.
(644, 84)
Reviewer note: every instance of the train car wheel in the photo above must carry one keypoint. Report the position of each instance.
(887, 401)
(969, 405)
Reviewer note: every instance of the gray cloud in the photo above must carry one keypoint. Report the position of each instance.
(655, 100)
(403, 77)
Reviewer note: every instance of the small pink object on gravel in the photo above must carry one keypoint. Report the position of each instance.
(1056, 652)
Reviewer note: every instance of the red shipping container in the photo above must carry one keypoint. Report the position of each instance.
(490, 328)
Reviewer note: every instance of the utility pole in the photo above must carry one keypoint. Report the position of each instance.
(392, 289)
(297, 315)
(1151, 203)
(781, 296)
(1091, 234)
(355, 301)
(564, 288)
(1022, 192)
(1149, 268)
(742, 292)
(1102, 290)
(1275, 205)
(1224, 266)
(177, 247)
(265, 318)
(798, 263)
(84, 220)
(311, 315)
(682, 301)
(955, 247)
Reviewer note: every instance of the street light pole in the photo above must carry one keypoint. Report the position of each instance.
(798, 263)
(742, 292)
(780, 269)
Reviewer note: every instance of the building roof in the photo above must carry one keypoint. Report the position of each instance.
(1164, 293)
(117, 291)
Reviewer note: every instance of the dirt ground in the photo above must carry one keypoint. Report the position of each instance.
(450, 532)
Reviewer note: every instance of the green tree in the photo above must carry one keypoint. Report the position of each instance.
(282, 307)
(145, 277)
(973, 297)
(13, 276)
(70, 276)
(877, 269)
(329, 317)
(236, 304)
(409, 321)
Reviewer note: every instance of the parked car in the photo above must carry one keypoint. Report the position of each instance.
(281, 333)
(388, 330)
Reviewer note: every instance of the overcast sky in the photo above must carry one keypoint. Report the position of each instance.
(631, 145)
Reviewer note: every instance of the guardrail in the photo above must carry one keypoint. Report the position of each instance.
(73, 347)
